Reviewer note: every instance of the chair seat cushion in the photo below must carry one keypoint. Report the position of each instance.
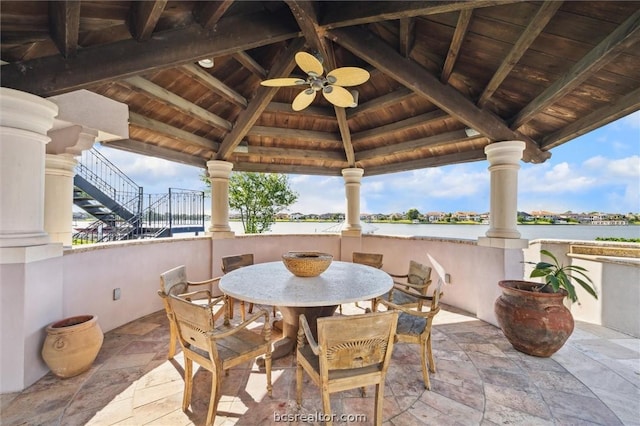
(410, 324)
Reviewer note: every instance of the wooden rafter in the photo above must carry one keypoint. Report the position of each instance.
(176, 101)
(294, 134)
(248, 117)
(441, 160)
(143, 148)
(53, 75)
(381, 102)
(464, 18)
(400, 125)
(535, 27)
(269, 153)
(172, 132)
(627, 34)
(416, 78)
(406, 36)
(64, 19)
(215, 85)
(210, 12)
(144, 17)
(249, 63)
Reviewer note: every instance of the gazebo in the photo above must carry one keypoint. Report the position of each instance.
(448, 82)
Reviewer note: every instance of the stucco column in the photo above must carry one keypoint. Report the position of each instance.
(58, 197)
(504, 163)
(24, 122)
(219, 172)
(352, 178)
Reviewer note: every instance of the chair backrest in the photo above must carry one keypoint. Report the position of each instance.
(194, 323)
(419, 274)
(369, 259)
(174, 281)
(356, 341)
(231, 263)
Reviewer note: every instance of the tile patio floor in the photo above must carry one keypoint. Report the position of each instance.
(480, 380)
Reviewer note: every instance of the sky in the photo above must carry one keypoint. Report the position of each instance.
(599, 171)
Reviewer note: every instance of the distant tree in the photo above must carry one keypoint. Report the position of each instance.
(258, 197)
(413, 214)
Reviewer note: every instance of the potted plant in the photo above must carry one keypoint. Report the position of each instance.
(532, 315)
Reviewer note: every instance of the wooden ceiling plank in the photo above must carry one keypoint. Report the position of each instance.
(64, 22)
(352, 13)
(293, 134)
(211, 12)
(345, 133)
(176, 101)
(412, 75)
(406, 36)
(547, 10)
(144, 18)
(148, 150)
(310, 111)
(431, 141)
(172, 132)
(251, 64)
(423, 163)
(381, 102)
(623, 37)
(401, 125)
(292, 153)
(248, 117)
(53, 75)
(289, 169)
(464, 18)
(627, 105)
(215, 85)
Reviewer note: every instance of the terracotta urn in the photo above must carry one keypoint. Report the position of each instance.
(72, 345)
(535, 322)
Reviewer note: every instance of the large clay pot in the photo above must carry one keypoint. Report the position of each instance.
(536, 323)
(72, 345)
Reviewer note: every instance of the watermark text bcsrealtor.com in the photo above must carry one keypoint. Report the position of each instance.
(318, 417)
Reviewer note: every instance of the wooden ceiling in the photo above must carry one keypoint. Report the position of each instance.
(541, 72)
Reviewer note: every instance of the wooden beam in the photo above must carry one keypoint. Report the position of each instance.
(406, 36)
(248, 117)
(144, 18)
(441, 160)
(306, 15)
(295, 154)
(210, 12)
(464, 18)
(623, 37)
(294, 134)
(53, 75)
(345, 134)
(627, 105)
(289, 169)
(431, 141)
(64, 22)
(249, 63)
(406, 124)
(215, 85)
(148, 150)
(381, 102)
(353, 13)
(176, 101)
(535, 27)
(172, 132)
(419, 80)
(318, 112)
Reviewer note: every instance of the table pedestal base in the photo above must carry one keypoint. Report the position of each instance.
(290, 325)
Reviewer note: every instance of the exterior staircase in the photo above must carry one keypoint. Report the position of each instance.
(122, 210)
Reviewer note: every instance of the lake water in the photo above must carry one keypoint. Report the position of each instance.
(529, 232)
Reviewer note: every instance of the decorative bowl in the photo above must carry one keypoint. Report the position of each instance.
(306, 263)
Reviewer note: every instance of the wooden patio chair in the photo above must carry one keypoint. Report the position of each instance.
(231, 263)
(416, 281)
(414, 325)
(370, 259)
(351, 352)
(217, 348)
(174, 281)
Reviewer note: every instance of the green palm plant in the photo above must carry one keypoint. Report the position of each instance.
(559, 276)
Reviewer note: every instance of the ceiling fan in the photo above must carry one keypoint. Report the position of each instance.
(332, 86)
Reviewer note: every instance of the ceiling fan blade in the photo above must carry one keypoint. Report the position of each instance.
(348, 76)
(303, 99)
(339, 96)
(309, 63)
(281, 82)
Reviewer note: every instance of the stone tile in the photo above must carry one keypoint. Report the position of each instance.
(629, 343)
(605, 349)
(127, 361)
(468, 393)
(155, 410)
(115, 411)
(136, 328)
(574, 409)
(558, 381)
(498, 377)
(150, 394)
(433, 408)
(501, 415)
(527, 402)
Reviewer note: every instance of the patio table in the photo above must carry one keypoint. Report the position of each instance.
(271, 283)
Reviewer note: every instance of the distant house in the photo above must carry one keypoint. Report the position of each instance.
(296, 216)
(435, 216)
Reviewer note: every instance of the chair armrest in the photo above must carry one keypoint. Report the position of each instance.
(398, 276)
(205, 282)
(259, 313)
(410, 309)
(193, 295)
(305, 331)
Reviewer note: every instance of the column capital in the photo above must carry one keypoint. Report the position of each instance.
(71, 139)
(219, 168)
(506, 152)
(20, 110)
(352, 175)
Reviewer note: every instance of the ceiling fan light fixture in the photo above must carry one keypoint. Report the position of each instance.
(355, 95)
(206, 63)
